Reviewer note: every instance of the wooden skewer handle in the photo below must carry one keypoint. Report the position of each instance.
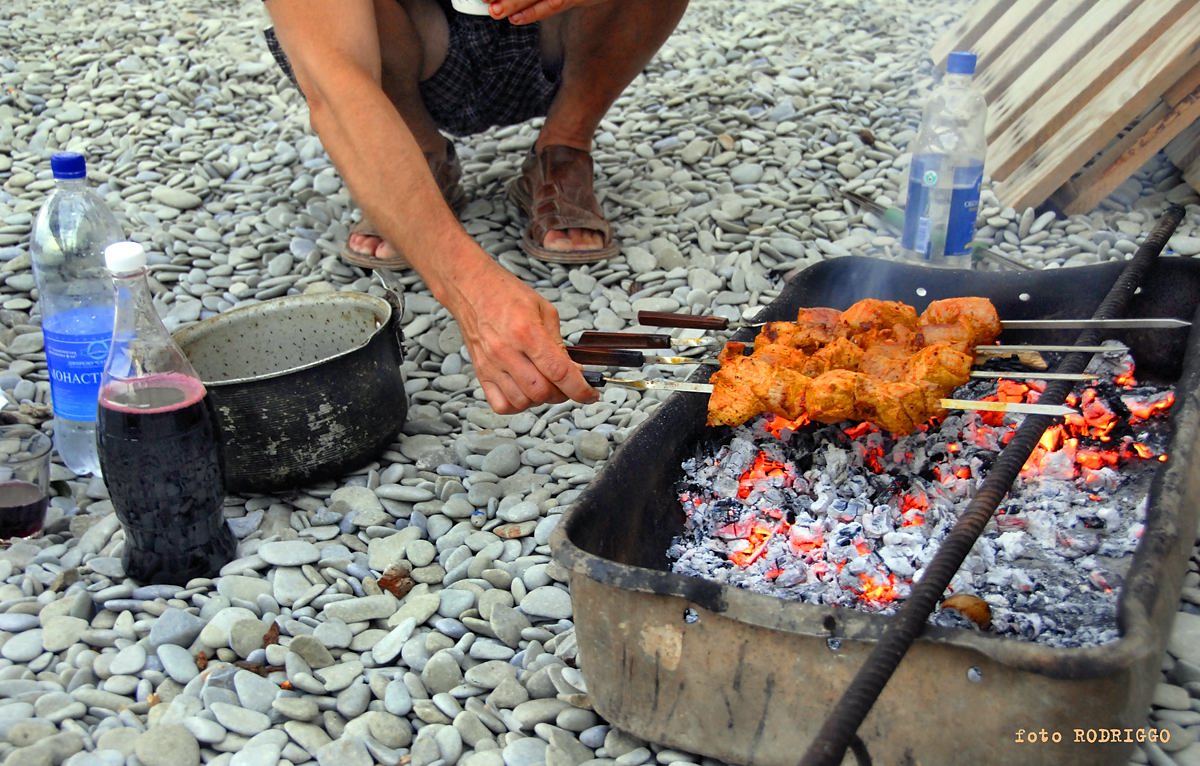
(597, 339)
(611, 357)
(666, 319)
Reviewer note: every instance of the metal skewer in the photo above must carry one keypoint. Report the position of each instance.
(613, 357)
(596, 378)
(666, 319)
(629, 340)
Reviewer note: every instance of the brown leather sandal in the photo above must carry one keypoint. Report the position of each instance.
(555, 193)
(447, 172)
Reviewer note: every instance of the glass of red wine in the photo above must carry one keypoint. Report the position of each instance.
(24, 481)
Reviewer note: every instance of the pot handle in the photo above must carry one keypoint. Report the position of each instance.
(394, 294)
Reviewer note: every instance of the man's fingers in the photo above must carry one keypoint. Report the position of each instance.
(526, 12)
(553, 362)
(504, 395)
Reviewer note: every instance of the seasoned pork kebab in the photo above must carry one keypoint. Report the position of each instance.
(876, 361)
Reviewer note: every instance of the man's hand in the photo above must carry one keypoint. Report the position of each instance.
(515, 343)
(529, 11)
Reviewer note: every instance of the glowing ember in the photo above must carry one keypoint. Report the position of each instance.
(1144, 410)
(764, 469)
(1125, 378)
(1059, 452)
(878, 591)
(777, 425)
(913, 508)
(756, 545)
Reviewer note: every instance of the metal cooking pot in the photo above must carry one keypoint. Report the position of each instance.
(306, 387)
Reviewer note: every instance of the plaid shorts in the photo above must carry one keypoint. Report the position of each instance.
(493, 75)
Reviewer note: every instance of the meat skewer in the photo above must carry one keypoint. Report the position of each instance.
(878, 361)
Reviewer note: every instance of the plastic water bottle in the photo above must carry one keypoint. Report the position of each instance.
(67, 247)
(159, 441)
(947, 169)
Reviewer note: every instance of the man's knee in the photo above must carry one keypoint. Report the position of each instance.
(413, 26)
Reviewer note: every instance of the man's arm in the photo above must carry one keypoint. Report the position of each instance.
(512, 333)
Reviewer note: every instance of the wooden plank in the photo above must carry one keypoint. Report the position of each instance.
(1192, 175)
(1035, 41)
(1006, 30)
(1175, 112)
(1184, 87)
(1050, 69)
(1134, 45)
(969, 28)
(1117, 163)
(1184, 149)
(1054, 160)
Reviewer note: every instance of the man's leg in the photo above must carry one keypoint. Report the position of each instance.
(602, 49)
(413, 39)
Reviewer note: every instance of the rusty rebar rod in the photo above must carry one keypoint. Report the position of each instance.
(841, 726)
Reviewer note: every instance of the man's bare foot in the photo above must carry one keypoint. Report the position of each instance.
(364, 246)
(371, 245)
(555, 191)
(568, 240)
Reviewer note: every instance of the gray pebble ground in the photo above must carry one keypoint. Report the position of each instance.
(721, 168)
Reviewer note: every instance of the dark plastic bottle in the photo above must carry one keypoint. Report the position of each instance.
(158, 439)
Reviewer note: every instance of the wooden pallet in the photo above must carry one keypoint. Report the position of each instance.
(1081, 93)
(1184, 152)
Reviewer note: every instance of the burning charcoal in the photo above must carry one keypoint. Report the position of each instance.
(1099, 581)
(1012, 543)
(842, 509)
(876, 522)
(792, 576)
(1076, 546)
(726, 486)
(1020, 581)
(858, 566)
(823, 501)
(897, 564)
(725, 511)
(773, 496)
(1064, 536)
(845, 533)
(741, 454)
(738, 545)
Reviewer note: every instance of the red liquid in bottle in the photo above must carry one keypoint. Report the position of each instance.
(22, 509)
(160, 454)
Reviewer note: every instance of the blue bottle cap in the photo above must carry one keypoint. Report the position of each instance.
(961, 62)
(68, 165)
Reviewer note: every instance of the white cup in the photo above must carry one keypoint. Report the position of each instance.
(473, 7)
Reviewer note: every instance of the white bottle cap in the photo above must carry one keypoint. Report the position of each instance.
(472, 7)
(124, 257)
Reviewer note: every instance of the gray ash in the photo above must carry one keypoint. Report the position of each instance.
(851, 516)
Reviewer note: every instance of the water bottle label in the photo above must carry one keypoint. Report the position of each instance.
(75, 362)
(964, 207)
(923, 179)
